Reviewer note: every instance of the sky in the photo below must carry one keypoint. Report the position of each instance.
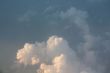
(83, 24)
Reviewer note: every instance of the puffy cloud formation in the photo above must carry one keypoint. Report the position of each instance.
(53, 56)
(32, 53)
(56, 67)
(56, 56)
(26, 55)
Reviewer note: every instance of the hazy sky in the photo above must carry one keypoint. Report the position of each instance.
(78, 21)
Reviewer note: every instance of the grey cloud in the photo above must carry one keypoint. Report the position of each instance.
(79, 18)
(91, 48)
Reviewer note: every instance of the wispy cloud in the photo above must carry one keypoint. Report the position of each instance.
(79, 18)
(48, 9)
(26, 17)
(107, 33)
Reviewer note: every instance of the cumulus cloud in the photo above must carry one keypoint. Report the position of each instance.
(53, 56)
(56, 67)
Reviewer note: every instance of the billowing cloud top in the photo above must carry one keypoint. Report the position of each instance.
(53, 56)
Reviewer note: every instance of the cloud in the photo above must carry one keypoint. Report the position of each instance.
(48, 9)
(26, 17)
(107, 33)
(76, 17)
(79, 18)
(93, 50)
(56, 67)
(39, 51)
(53, 56)
(56, 56)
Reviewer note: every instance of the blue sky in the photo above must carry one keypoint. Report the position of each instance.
(24, 21)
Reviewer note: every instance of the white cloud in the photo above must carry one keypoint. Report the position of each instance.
(56, 67)
(53, 56)
(45, 53)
